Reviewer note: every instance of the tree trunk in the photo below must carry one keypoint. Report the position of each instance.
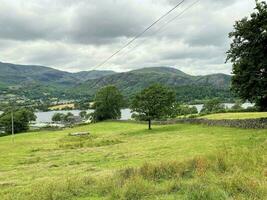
(149, 124)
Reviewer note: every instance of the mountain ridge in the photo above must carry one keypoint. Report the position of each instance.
(40, 82)
(36, 74)
(134, 81)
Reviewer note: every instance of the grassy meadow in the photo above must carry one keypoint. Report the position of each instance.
(120, 160)
(244, 115)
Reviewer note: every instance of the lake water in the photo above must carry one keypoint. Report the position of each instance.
(46, 117)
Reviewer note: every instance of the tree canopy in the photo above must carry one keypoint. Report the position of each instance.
(21, 117)
(57, 117)
(212, 106)
(107, 104)
(248, 53)
(154, 102)
(183, 110)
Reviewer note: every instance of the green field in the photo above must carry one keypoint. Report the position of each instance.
(245, 115)
(126, 161)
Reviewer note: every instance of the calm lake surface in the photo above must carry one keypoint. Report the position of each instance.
(46, 117)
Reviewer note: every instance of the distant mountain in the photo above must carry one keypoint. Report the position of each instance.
(37, 82)
(12, 75)
(188, 88)
(94, 74)
(169, 71)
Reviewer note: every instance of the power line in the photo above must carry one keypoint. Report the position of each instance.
(140, 34)
(180, 14)
(166, 24)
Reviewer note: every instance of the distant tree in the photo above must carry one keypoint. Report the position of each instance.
(212, 106)
(237, 105)
(83, 114)
(154, 102)
(68, 118)
(185, 110)
(107, 104)
(57, 117)
(248, 53)
(21, 117)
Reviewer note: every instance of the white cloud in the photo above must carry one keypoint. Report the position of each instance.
(77, 35)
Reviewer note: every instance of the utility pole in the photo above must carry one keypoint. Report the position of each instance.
(12, 105)
(12, 124)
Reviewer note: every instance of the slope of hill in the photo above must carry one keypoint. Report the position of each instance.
(12, 74)
(38, 82)
(134, 81)
(94, 74)
(221, 81)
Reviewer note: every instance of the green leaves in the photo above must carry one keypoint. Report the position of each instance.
(248, 53)
(108, 103)
(154, 102)
(22, 117)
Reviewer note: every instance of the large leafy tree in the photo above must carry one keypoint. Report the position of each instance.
(107, 104)
(248, 53)
(21, 117)
(154, 102)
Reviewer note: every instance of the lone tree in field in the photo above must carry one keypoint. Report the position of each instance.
(108, 103)
(248, 53)
(154, 102)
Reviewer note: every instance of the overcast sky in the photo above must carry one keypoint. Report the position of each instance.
(77, 35)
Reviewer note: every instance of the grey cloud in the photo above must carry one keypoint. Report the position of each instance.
(84, 22)
(211, 3)
(199, 53)
(77, 35)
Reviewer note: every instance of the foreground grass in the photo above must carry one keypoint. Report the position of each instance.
(245, 115)
(126, 161)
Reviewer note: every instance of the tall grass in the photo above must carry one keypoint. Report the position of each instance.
(228, 174)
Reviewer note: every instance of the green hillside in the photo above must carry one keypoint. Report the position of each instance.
(94, 74)
(12, 74)
(126, 161)
(188, 87)
(37, 82)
